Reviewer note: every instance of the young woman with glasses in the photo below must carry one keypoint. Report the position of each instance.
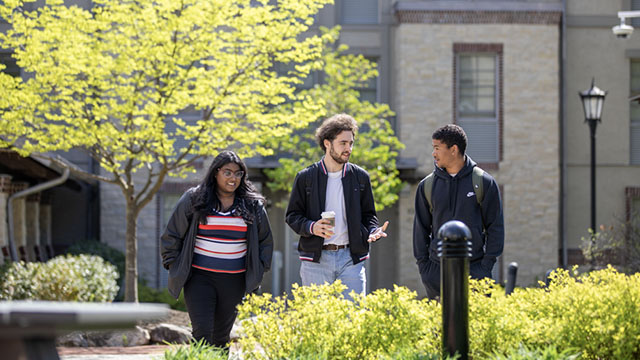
(217, 246)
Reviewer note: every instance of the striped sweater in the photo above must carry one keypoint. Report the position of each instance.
(221, 244)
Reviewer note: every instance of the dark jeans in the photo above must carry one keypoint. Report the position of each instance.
(211, 300)
(430, 273)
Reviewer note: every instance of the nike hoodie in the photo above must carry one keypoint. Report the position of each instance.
(453, 198)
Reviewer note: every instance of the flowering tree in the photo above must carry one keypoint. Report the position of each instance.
(376, 146)
(114, 80)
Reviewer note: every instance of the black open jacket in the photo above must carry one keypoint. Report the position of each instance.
(178, 242)
(307, 202)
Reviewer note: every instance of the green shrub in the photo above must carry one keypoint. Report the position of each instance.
(318, 322)
(549, 353)
(92, 247)
(63, 278)
(149, 294)
(595, 315)
(195, 351)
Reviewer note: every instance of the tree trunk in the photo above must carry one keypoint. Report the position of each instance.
(131, 254)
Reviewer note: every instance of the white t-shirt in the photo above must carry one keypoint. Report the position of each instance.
(334, 201)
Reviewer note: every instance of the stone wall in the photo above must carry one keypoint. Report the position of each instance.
(529, 170)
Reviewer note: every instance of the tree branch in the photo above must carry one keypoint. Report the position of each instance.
(75, 170)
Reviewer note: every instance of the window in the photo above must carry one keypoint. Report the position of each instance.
(477, 102)
(359, 11)
(283, 70)
(12, 67)
(635, 5)
(633, 202)
(167, 199)
(191, 117)
(369, 90)
(634, 112)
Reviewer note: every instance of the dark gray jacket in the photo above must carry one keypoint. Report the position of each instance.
(454, 199)
(178, 242)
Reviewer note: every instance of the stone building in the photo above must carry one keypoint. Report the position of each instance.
(594, 52)
(509, 73)
(44, 223)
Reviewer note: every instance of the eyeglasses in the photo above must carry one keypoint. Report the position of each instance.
(228, 173)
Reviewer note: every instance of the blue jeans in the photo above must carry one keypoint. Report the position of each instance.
(335, 265)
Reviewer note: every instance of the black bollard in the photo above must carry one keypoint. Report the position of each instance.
(511, 278)
(547, 278)
(454, 250)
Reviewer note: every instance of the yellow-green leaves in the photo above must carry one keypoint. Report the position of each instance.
(317, 322)
(376, 146)
(114, 76)
(154, 85)
(595, 314)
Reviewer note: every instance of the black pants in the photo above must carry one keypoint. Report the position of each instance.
(430, 273)
(211, 300)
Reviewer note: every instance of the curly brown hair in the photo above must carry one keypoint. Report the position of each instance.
(333, 126)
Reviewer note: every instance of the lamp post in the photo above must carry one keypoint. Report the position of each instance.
(592, 102)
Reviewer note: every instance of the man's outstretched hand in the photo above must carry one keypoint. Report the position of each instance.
(379, 232)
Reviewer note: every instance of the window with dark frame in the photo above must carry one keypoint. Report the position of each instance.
(354, 12)
(369, 90)
(635, 5)
(166, 203)
(11, 64)
(634, 113)
(477, 99)
(633, 202)
(307, 83)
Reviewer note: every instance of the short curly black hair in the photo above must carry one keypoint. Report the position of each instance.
(451, 134)
(333, 126)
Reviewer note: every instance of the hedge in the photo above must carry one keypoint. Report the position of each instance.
(595, 315)
(63, 278)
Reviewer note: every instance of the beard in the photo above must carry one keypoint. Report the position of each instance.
(337, 158)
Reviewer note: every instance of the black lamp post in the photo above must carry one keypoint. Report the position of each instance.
(592, 102)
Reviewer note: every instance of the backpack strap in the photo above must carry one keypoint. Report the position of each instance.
(307, 182)
(427, 189)
(476, 179)
(478, 188)
(361, 181)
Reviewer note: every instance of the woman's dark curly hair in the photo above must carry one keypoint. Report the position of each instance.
(206, 195)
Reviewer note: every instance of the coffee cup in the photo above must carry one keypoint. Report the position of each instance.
(331, 216)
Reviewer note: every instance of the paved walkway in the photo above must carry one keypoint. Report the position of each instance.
(147, 352)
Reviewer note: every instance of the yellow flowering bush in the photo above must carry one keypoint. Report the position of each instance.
(596, 314)
(589, 316)
(317, 322)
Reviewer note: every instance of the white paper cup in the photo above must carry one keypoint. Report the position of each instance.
(331, 216)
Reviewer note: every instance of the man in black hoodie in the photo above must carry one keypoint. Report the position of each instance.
(453, 198)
